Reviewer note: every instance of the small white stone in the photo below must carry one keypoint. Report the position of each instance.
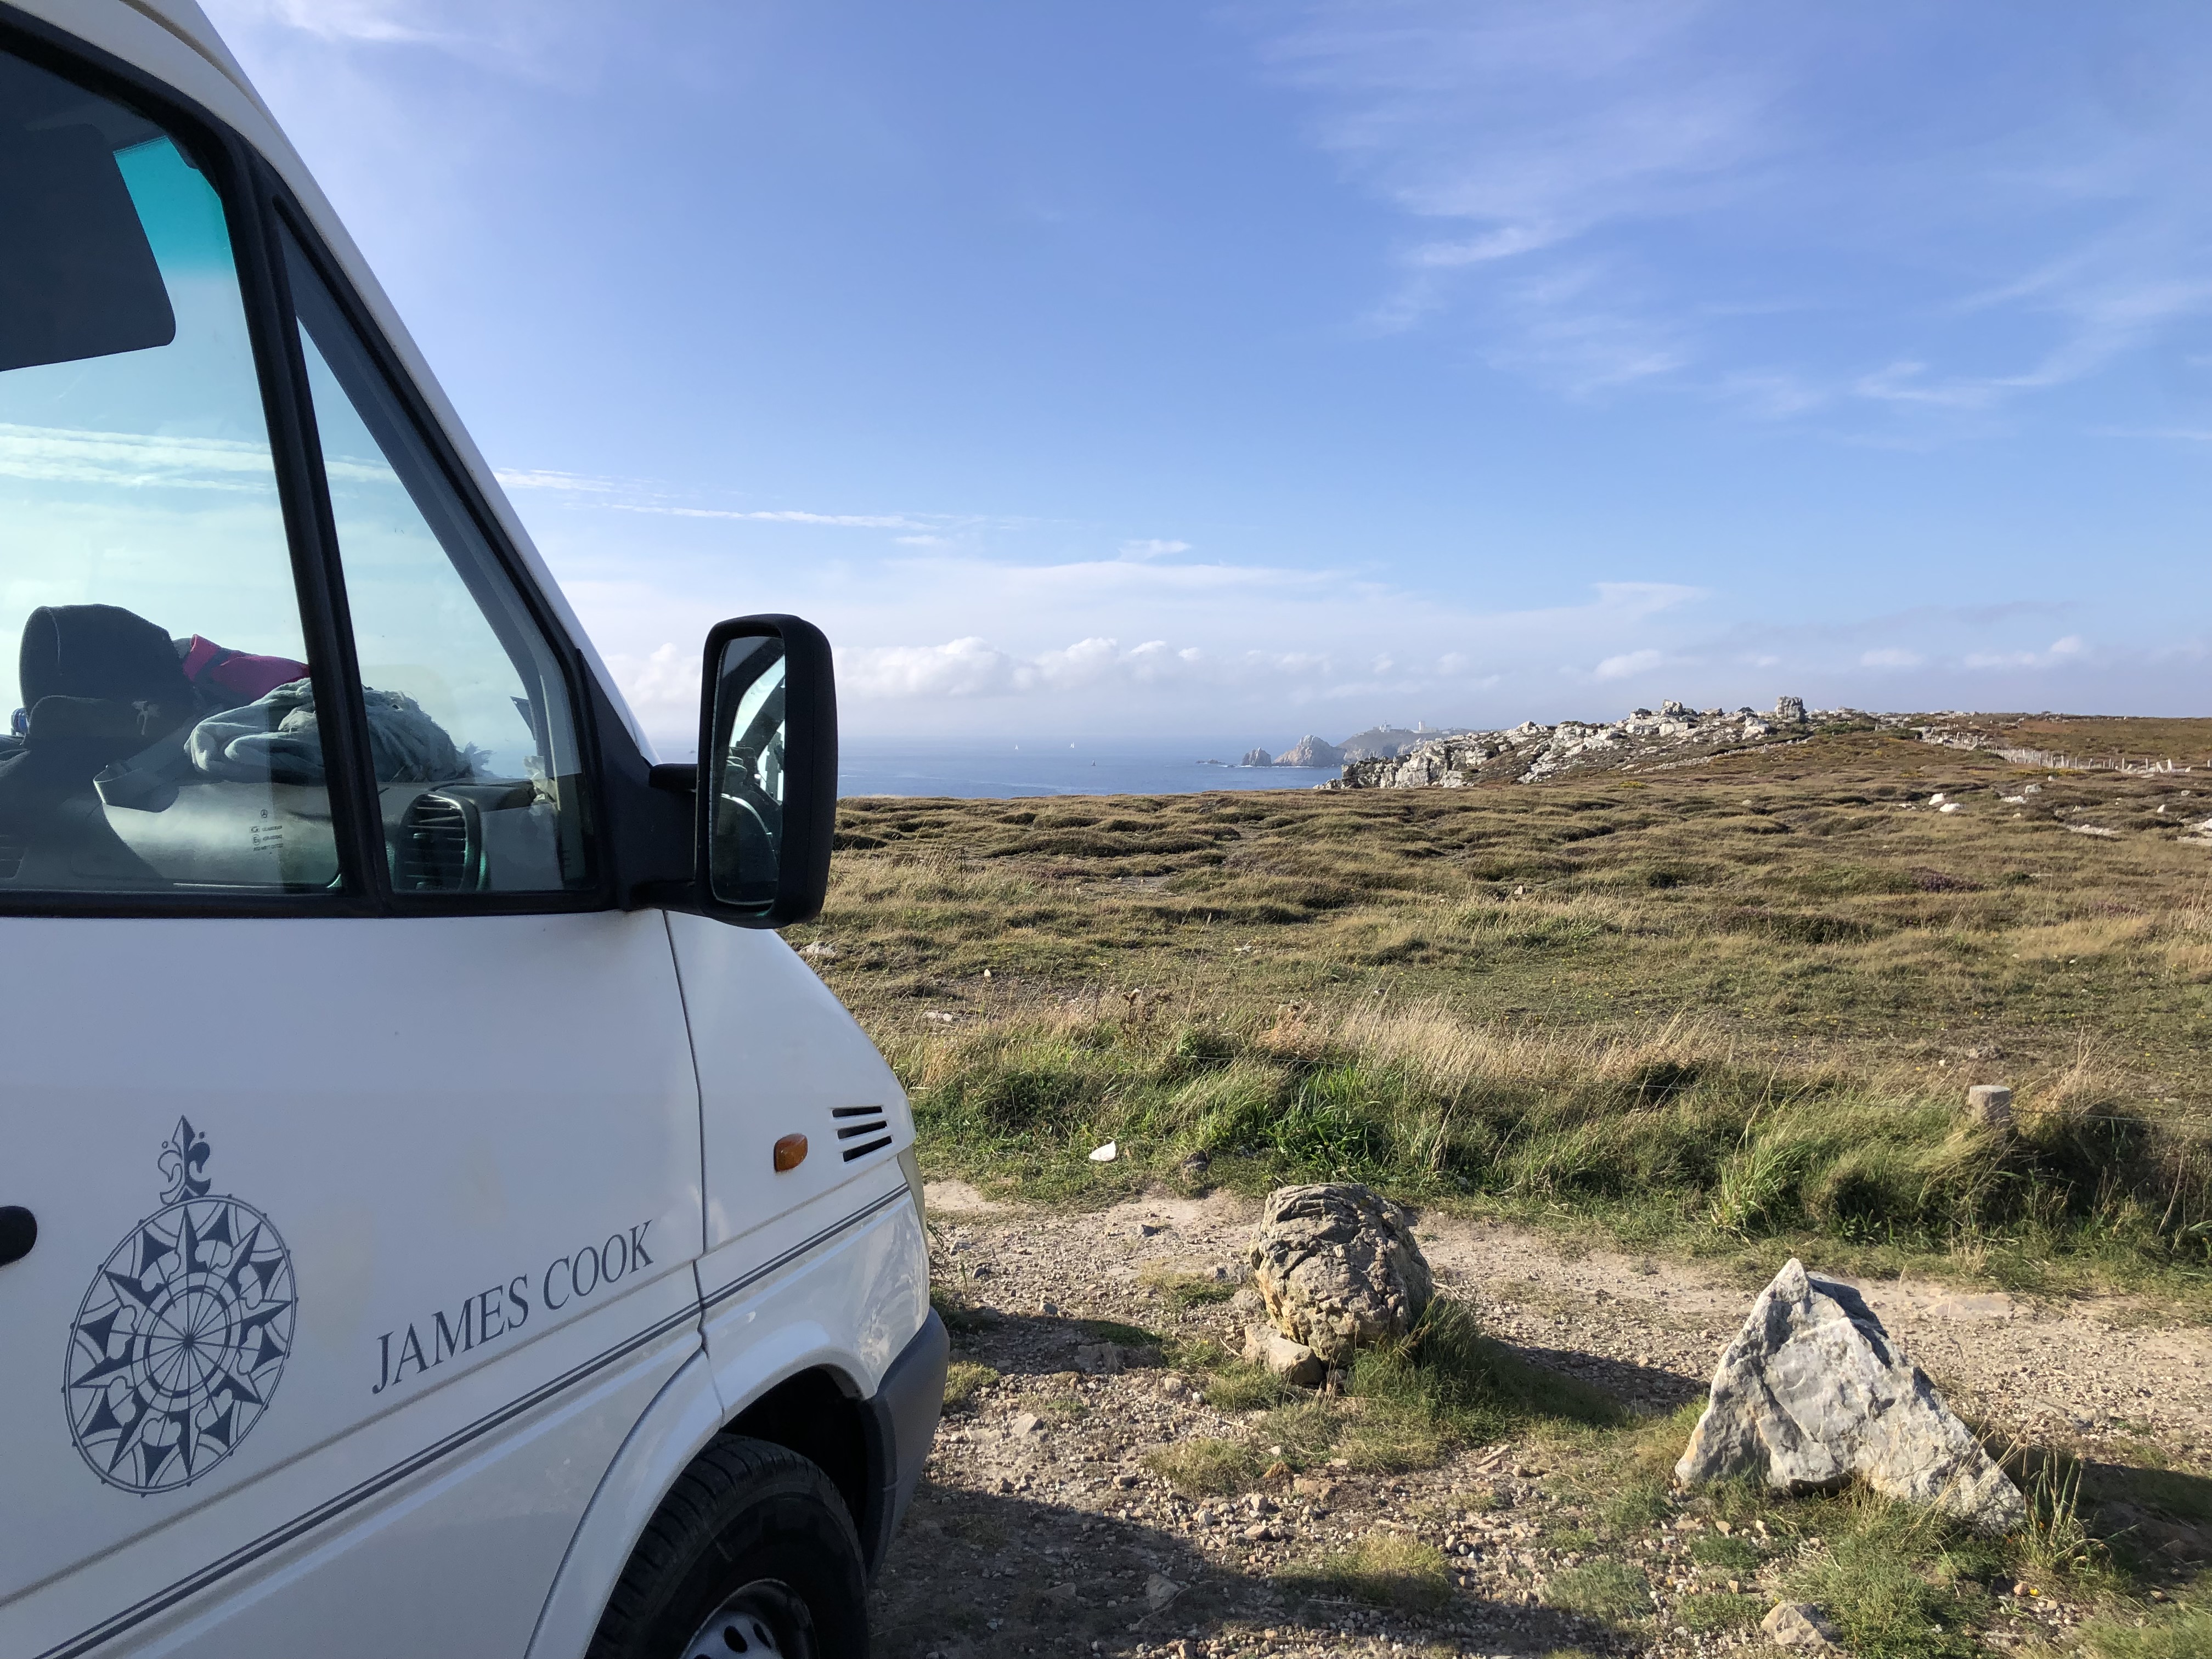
(1105, 1154)
(1797, 1625)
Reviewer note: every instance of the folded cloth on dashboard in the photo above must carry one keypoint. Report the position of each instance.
(276, 738)
(229, 679)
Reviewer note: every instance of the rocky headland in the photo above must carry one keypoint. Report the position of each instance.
(1376, 743)
(1638, 741)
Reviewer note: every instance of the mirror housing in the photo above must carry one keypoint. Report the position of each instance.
(766, 788)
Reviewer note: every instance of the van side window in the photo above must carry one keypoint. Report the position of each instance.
(470, 727)
(157, 724)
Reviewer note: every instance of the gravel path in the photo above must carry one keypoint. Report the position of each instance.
(1039, 1530)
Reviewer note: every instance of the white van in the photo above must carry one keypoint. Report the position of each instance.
(438, 1215)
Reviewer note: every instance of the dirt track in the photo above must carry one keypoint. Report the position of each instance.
(1039, 1530)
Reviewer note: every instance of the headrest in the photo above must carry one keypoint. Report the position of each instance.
(99, 650)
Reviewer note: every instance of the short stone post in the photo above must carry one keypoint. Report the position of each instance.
(1989, 1104)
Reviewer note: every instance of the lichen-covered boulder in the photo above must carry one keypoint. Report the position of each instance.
(1814, 1391)
(1338, 1268)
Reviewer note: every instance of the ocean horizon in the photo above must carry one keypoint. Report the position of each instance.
(1010, 767)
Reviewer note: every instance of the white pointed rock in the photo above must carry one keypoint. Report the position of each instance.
(1814, 1391)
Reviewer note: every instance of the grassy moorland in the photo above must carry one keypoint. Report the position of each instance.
(1704, 1006)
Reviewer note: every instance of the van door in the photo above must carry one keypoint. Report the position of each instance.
(366, 1198)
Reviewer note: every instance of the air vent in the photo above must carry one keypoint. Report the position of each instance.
(857, 1122)
(432, 855)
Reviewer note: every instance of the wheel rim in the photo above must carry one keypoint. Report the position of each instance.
(763, 1621)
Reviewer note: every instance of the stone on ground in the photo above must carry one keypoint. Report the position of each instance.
(1338, 1268)
(1814, 1391)
(1293, 1362)
(1797, 1625)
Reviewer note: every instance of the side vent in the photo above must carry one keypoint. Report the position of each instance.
(855, 1124)
(432, 853)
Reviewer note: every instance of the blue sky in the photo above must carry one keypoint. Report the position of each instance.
(1135, 366)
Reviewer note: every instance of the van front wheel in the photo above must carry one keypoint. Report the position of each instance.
(751, 1553)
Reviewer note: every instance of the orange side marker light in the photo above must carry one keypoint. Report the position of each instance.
(790, 1153)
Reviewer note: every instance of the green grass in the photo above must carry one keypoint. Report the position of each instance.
(1732, 1008)
(1705, 1610)
(1601, 1589)
(1387, 1569)
(2181, 1630)
(1896, 1581)
(1738, 1554)
(1188, 1289)
(1407, 1405)
(964, 1380)
(1237, 1387)
(1668, 1136)
(1206, 1468)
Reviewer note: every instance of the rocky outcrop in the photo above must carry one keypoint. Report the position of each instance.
(1814, 1392)
(1311, 751)
(1388, 742)
(1256, 757)
(1531, 753)
(1337, 1267)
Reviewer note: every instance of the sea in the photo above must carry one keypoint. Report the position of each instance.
(1003, 768)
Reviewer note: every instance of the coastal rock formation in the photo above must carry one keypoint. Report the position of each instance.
(1814, 1391)
(1256, 757)
(1530, 753)
(1337, 1267)
(1311, 751)
(1388, 742)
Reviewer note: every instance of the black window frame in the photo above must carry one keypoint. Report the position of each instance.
(259, 207)
(287, 215)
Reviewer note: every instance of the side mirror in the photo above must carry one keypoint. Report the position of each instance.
(767, 770)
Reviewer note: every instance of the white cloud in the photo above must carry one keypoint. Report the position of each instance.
(2070, 649)
(132, 460)
(1891, 657)
(540, 478)
(776, 515)
(973, 668)
(1625, 182)
(380, 22)
(1628, 664)
(532, 38)
(1153, 550)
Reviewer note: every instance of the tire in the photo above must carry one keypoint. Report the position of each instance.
(752, 1541)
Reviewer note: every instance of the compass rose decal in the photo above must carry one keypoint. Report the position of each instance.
(179, 1345)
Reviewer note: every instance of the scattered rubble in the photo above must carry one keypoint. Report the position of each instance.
(1045, 1542)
